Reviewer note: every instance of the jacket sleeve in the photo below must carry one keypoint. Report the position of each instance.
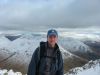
(33, 63)
(60, 65)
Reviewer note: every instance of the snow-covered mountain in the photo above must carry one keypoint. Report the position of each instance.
(18, 52)
(91, 68)
(90, 39)
(94, 45)
(71, 60)
(74, 45)
(79, 48)
(17, 49)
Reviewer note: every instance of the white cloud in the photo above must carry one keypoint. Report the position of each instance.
(33, 14)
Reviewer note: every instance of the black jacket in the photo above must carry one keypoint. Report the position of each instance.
(36, 64)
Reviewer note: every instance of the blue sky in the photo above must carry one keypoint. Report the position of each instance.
(40, 14)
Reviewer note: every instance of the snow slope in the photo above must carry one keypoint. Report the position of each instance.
(74, 45)
(91, 68)
(19, 51)
(9, 72)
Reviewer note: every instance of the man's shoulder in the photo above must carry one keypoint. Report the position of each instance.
(37, 49)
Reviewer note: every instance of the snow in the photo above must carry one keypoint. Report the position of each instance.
(91, 68)
(10, 72)
(4, 41)
(74, 45)
(20, 50)
(65, 53)
(91, 71)
(80, 34)
(23, 47)
(27, 43)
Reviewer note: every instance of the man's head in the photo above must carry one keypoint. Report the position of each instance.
(52, 37)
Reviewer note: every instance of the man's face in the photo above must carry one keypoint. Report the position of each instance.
(52, 40)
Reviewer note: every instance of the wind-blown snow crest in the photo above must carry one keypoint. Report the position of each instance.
(91, 68)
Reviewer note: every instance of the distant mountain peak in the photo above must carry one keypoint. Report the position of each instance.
(12, 38)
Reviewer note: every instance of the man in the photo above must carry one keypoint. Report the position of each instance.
(47, 59)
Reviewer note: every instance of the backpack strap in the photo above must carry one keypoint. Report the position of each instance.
(42, 49)
(40, 55)
(58, 55)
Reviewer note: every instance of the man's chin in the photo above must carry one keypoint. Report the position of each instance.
(53, 44)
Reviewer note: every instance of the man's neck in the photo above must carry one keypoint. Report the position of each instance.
(51, 46)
